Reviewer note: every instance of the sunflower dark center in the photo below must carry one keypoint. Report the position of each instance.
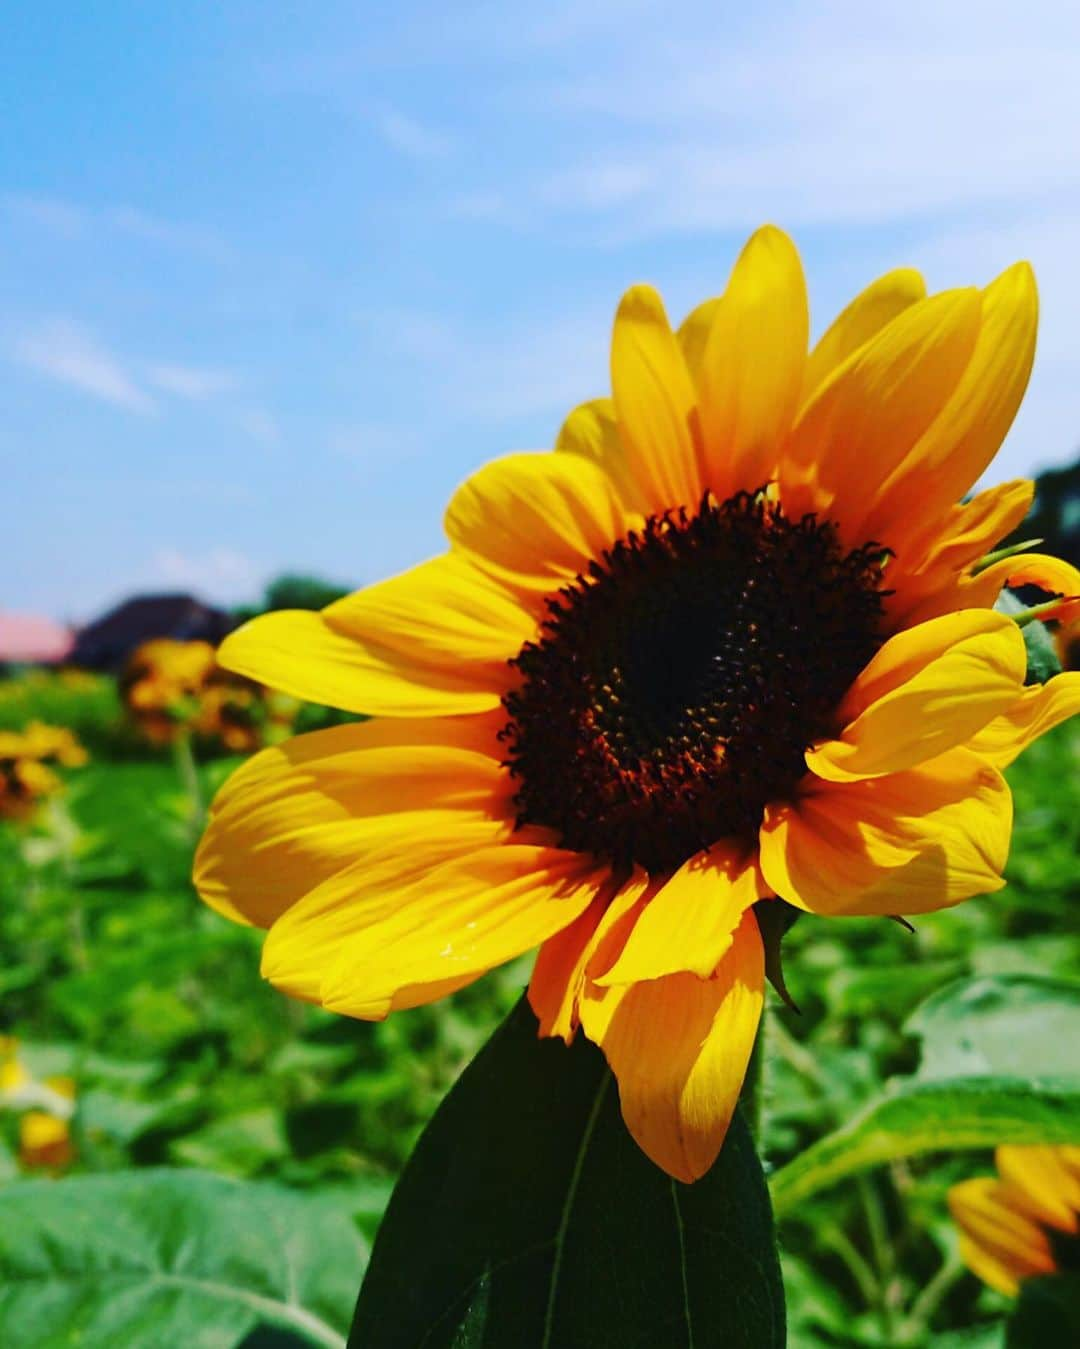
(675, 689)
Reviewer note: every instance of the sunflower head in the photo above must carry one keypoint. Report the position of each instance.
(170, 687)
(733, 640)
(1025, 1221)
(27, 772)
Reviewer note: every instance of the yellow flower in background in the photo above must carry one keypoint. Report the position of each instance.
(12, 1072)
(170, 686)
(26, 775)
(731, 640)
(45, 1137)
(1011, 1224)
(162, 685)
(46, 1107)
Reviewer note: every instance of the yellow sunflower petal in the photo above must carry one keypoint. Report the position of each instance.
(592, 431)
(866, 418)
(537, 520)
(562, 964)
(1042, 1183)
(296, 814)
(679, 1047)
(752, 365)
(960, 442)
(933, 558)
(908, 843)
(693, 335)
(1049, 573)
(928, 688)
(997, 1243)
(444, 613)
(300, 653)
(1037, 710)
(862, 320)
(365, 933)
(687, 925)
(1052, 574)
(655, 403)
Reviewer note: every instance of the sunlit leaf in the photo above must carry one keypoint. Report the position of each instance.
(999, 1066)
(171, 1258)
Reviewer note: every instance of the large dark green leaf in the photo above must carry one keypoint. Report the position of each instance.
(527, 1218)
(1047, 1315)
(171, 1258)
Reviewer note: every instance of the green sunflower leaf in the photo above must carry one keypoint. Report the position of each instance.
(1047, 1313)
(172, 1258)
(975, 1112)
(527, 1218)
(998, 1066)
(1043, 661)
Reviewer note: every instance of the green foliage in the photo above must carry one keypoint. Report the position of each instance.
(999, 1065)
(293, 590)
(87, 704)
(112, 973)
(456, 1266)
(978, 1112)
(164, 1257)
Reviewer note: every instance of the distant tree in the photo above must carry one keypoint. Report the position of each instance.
(1055, 514)
(292, 590)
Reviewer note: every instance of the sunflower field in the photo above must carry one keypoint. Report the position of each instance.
(188, 1158)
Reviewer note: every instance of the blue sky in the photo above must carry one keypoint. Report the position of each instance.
(274, 277)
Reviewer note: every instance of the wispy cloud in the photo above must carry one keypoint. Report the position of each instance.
(72, 220)
(811, 113)
(192, 382)
(222, 574)
(412, 138)
(524, 368)
(259, 424)
(70, 353)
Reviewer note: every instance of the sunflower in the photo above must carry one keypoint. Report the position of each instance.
(732, 640)
(26, 773)
(1018, 1224)
(170, 687)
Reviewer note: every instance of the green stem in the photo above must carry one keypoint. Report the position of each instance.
(882, 1252)
(916, 1324)
(1026, 616)
(188, 773)
(854, 1262)
(1000, 553)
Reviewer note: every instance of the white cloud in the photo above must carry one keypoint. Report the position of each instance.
(808, 113)
(69, 352)
(519, 369)
(191, 382)
(58, 217)
(373, 444)
(72, 353)
(259, 424)
(220, 574)
(71, 220)
(412, 138)
(1048, 425)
